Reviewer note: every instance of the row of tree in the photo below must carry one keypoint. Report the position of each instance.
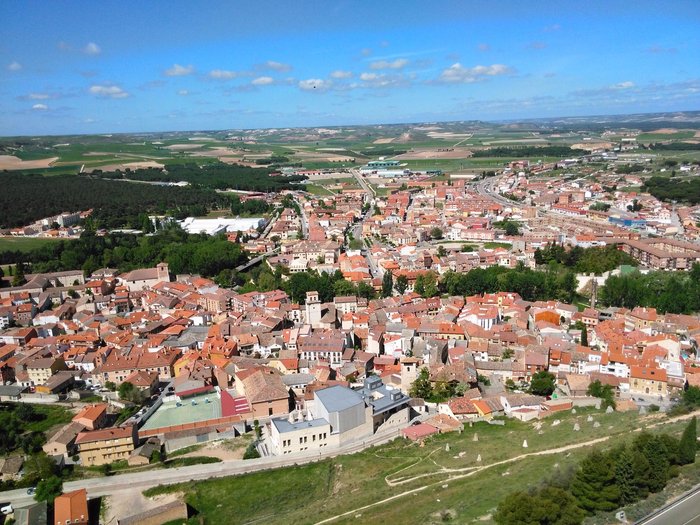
(216, 175)
(667, 189)
(27, 198)
(603, 481)
(596, 260)
(530, 151)
(672, 292)
(185, 253)
(532, 285)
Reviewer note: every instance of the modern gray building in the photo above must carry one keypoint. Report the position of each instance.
(339, 415)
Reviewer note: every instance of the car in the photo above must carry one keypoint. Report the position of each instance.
(31, 491)
(7, 509)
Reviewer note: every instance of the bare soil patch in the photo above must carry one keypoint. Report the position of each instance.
(433, 153)
(10, 162)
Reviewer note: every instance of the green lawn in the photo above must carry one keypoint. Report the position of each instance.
(429, 482)
(23, 244)
(53, 416)
(320, 191)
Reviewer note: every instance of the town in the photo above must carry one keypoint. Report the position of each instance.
(447, 300)
(328, 263)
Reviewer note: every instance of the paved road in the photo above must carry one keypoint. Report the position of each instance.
(111, 485)
(361, 181)
(256, 260)
(304, 224)
(685, 511)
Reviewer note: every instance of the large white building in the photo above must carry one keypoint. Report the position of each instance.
(217, 226)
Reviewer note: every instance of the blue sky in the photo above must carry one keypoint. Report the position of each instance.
(125, 66)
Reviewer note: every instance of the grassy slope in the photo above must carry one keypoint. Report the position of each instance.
(310, 493)
(23, 244)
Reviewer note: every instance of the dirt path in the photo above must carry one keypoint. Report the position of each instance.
(475, 470)
(135, 501)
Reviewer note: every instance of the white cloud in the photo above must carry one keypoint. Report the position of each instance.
(183, 92)
(399, 63)
(38, 96)
(382, 80)
(40, 107)
(263, 81)
(315, 84)
(276, 66)
(483, 47)
(552, 28)
(339, 73)
(223, 74)
(108, 91)
(623, 85)
(14, 66)
(179, 71)
(457, 73)
(365, 52)
(92, 49)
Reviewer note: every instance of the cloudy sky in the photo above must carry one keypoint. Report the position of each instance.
(118, 66)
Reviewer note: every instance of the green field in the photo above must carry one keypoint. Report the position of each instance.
(425, 483)
(24, 244)
(657, 137)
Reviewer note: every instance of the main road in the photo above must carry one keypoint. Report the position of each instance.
(684, 511)
(111, 485)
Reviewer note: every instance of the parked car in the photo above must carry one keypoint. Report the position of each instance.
(7, 509)
(31, 491)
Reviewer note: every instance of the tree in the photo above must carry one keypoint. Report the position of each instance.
(25, 412)
(584, 336)
(365, 290)
(19, 279)
(387, 284)
(512, 228)
(550, 505)
(688, 445)
(401, 284)
(625, 476)
(441, 252)
(426, 285)
(129, 392)
(604, 392)
(594, 486)
(656, 453)
(251, 452)
(39, 466)
(422, 387)
(110, 385)
(49, 489)
(542, 383)
(436, 233)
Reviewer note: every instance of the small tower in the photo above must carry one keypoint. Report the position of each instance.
(313, 309)
(594, 292)
(163, 273)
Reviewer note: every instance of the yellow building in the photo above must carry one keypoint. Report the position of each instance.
(99, 447)
(648, 381)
